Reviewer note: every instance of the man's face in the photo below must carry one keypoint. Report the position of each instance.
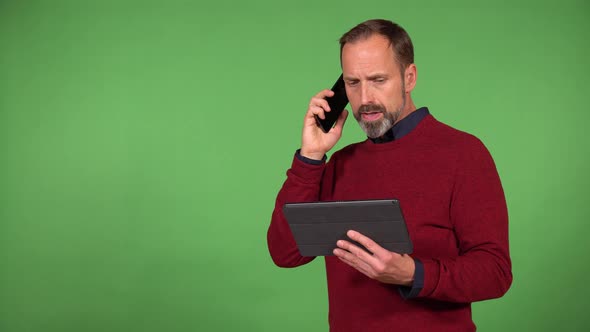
(374, 84)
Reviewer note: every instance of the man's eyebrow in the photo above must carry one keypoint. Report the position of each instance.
(376, 76)
(348, 78)
(370, 77)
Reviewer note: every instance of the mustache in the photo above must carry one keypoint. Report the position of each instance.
(371, 108)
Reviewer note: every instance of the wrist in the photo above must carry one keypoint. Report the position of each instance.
(311, 155)
(410, 271)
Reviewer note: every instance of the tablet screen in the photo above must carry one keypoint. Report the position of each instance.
(317, 226)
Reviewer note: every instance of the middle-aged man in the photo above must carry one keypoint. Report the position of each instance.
(444, 179)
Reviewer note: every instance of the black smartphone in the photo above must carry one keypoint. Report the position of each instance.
(337, 103)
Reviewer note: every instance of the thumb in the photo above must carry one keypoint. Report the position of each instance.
(341, 119)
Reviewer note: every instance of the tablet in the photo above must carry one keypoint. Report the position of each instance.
(317, 226)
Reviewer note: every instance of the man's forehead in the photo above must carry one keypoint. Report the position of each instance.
(368, 54)
(374, 41)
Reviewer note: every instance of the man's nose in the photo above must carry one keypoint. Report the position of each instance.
(366, 94)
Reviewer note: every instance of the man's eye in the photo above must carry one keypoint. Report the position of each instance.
(352, 83)
(379, 80)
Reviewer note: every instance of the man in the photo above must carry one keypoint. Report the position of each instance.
(446, 183)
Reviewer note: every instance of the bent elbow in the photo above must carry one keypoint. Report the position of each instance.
(503, 282)
(287, 257)
(282, 263)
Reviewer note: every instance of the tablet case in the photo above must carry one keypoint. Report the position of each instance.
(317, 226)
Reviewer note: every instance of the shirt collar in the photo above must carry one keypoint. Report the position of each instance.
(403, 127)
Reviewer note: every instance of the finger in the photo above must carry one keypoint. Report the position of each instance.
(338, 126)
(353, 261)
(341, 120)
(316, 110)
(358, 252)
(366, 242)
(321, 102)
(324, 93)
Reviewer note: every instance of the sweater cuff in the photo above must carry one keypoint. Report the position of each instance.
(308, 160)
(431, 277)
(306, 172)
(409, 292)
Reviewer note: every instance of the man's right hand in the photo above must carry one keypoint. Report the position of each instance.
(314, 142)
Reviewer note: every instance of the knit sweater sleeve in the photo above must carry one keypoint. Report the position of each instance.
(479, 215)
(302, 185)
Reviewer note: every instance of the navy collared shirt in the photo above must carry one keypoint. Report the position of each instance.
(399, 130)
(403, 127)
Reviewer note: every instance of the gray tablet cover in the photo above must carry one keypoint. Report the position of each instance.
(317, 226)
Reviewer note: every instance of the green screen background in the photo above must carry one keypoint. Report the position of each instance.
(142, 145)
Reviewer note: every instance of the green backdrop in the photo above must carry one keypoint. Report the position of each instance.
(142, 145)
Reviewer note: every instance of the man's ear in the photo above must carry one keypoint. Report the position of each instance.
(410, 76)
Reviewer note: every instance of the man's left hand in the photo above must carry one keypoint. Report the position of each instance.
(383, 265)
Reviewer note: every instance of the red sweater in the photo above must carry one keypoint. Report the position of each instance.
(453, 202)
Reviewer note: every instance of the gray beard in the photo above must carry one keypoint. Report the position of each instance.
(378, 128)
